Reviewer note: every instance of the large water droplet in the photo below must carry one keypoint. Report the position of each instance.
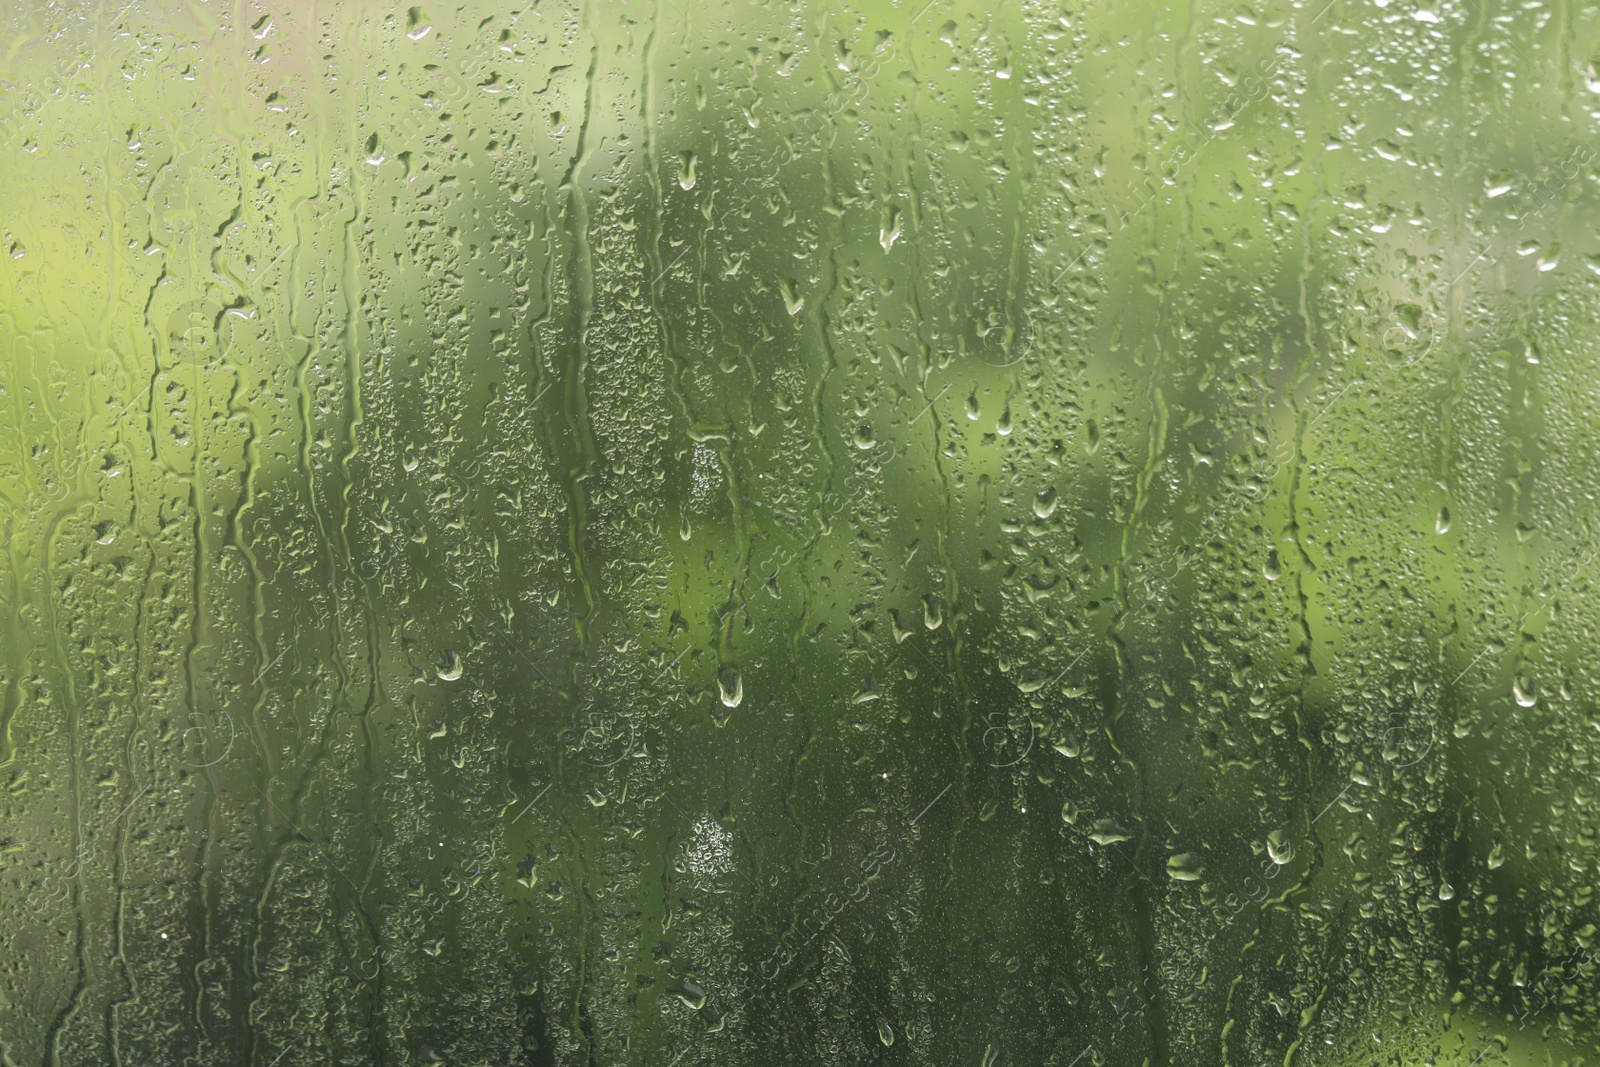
(730, 686)
(450, 666)
(1186, 866)
(690, 993)
(1525, 690)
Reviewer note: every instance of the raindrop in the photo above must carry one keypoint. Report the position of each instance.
(1279, 848)
(450, 666)
(690, 993)
(1525, 691)
(791, 295)
(1186, 866)
(730, 686)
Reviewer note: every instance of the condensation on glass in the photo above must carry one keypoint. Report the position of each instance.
(914, 532)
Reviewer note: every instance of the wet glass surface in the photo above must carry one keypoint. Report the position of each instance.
(689, 534)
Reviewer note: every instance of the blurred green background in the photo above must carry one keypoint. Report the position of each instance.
(695, 534)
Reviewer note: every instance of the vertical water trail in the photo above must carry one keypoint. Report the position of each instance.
(580, 262)
(69, 689)
(328, 166)
(351, 273)
(576, 478)
(128, 990)
(200, 636)
(1122, 692)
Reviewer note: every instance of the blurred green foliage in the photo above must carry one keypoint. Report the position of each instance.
(906, 533)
